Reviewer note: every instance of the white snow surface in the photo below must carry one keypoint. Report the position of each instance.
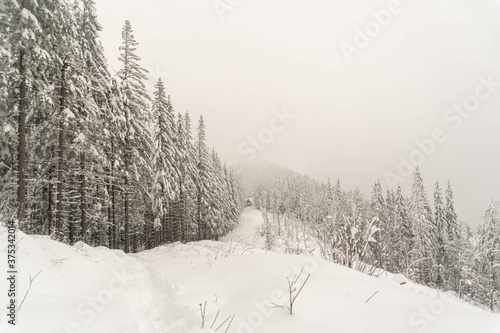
(84, 289)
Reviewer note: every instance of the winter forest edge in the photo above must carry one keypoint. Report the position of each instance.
(87, 155)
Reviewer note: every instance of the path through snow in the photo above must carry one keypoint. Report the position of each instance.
(247, 232)
(97, 290)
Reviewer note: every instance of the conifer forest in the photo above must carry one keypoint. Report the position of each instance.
(90, 154)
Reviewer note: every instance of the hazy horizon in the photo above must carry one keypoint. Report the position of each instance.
(323, 99)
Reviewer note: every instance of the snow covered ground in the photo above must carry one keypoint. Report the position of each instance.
(84, 289)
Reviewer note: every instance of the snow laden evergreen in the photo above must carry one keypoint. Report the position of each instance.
(422, 254)
(441, 235)
(135, 145)
(92, 109)
(85, 155)
(488, 258)
(203, 181)
(23, 56)
(163, 158)
(398, 233)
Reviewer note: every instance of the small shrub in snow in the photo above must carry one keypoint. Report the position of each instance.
(292, 290)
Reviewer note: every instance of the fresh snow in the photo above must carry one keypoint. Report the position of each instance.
(84, 289)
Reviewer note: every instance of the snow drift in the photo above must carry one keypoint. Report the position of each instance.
(240, 286)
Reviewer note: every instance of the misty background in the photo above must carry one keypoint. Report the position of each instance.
(353, 120)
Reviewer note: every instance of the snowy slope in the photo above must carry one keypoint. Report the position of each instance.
(83, 289)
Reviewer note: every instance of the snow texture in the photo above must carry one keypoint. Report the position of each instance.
(84, 289)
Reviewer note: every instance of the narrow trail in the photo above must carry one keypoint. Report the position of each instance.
(154, 303)
(248, 230)
(152, 307)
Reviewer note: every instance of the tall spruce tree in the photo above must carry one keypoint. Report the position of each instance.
(92, 111)
(441, 236)
(406, 239)
(456, 243)
(189, 170)
(450, 215)
(423, 231)
(489, 257)
(378, 206)
(136, 100)
(203, 181)
(164, 167)
(186, 169)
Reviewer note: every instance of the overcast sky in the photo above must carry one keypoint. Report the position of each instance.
(352, 104)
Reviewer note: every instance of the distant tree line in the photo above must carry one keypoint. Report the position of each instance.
(90, 156)
(394, 232)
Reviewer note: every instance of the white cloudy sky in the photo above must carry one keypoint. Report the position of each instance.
(353, 120)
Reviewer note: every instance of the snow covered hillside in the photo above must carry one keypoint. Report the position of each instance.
(84, 289)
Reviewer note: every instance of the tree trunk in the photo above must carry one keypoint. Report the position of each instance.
(113, 213)
(110, 210)
(127, 212)
(114, 238)
(180, 214)
(110, 228)
(198, 213)
(171, 223)
(148, 235)
(279, 225)
(21, 148)
(126, 199)
(185, 217)
(83, 198)
(163, 234)
(60, 164)
(71, 225)
(491, 282)
(50, 196)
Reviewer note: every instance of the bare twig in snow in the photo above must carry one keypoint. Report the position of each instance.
(222, 323)
(230, 322)
(202, 310)
(292, 290)
(229, 325)
(215, 319)
(372, 296)
(279, 306)
(27, 291)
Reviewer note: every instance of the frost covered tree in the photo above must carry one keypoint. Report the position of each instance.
(136, 99)
(422, 253)
(456, 243)
(165, 170)
(115, 121)
(8, 198)
(405, 239)
(379, 208)
(203, 181)
(393, 232)
(214, 216)
(488, 260)
(92, 110)
(329, 198)
(450, 215)
(23, 51)
(441, 236)
(186, 171)
(65, 61)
